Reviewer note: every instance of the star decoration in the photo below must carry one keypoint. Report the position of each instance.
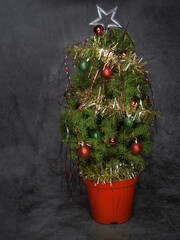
(112, 12)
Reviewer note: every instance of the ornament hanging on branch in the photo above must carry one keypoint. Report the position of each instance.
(84, 151)
(123, 53)
(106, 103)
(133, 102)
(107, 72)
(95, 134)
(83, 65)
(113, 141)
(98, 29)
(129, 122)
(136, 148)
(79, 106)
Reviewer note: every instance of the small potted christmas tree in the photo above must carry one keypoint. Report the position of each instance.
(107, 118)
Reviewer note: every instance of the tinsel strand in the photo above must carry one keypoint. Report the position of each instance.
(91, 68)
(122, 83)
(70, 176)
(95, 76)
(98, 101)
(66, 171)
(67, 72)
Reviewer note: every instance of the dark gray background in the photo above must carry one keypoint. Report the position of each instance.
(32, 37)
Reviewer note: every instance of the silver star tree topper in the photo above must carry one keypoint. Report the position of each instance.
(112, 12)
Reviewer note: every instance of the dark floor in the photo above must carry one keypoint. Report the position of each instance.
(35, 208)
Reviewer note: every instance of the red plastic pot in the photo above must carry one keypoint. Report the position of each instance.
(111, 203)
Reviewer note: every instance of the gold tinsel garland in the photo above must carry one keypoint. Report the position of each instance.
(106, 55)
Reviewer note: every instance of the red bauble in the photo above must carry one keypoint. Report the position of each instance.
(84, 151)
(107, 72)
(98, 29)
(80, 107)
(123, 53)
(136, 148)
(113, 141)
(133, 102)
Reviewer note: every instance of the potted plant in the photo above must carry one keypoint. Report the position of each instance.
(106, 120)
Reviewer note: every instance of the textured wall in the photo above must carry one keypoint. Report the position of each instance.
(32, 38)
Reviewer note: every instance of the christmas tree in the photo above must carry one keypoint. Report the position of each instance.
(106, 120)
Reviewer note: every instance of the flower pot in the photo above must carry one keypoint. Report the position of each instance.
(111, 203)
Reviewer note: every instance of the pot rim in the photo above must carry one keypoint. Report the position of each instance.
(114, 184)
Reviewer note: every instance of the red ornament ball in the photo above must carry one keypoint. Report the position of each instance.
(136, 148)
(98, 29)
(84, 151)
(123, 53)
(80, 107)
(133, 102)
(107, 72)
(106, 105)
(113, 141)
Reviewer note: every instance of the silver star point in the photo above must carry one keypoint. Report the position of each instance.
(112, 12)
